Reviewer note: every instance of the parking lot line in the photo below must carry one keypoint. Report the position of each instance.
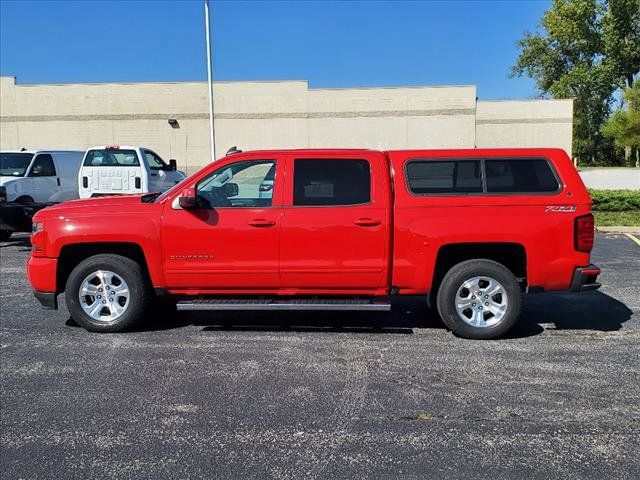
(633, 238)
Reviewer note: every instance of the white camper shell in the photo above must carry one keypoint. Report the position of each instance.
(125, 170)
(39, 176)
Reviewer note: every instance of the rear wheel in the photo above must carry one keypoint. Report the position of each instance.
(107, 293)
(479, 299)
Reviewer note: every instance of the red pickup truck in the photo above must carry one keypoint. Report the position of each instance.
(466, 230)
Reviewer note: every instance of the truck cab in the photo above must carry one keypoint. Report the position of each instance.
(122, 170)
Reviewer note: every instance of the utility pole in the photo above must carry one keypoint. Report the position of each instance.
(210, 83)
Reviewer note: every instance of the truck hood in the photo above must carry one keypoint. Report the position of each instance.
(101, 202)
(8, 179)
(110, 206)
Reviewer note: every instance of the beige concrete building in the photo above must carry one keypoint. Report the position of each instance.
(256, 115)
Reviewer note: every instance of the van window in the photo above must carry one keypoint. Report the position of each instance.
(331, 182)
(444, 176)
(43, 166)
(14, 164)
(520, 176)
(154, 161)
(241, 184)
(111, 158)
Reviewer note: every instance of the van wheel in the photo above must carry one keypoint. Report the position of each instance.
(5, 235)
(107, 293)
(479, 299)
(24, 200)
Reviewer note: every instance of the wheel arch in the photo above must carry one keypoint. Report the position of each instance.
(512, 255)
(71, 255)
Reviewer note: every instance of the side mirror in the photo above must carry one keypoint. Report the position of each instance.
(173, 165)
(231, 189)
(188, 199)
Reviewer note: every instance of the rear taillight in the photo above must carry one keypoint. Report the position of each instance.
(583, 233)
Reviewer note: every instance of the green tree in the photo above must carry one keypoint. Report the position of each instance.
(624, 125)
(621, 38)
(585, 50)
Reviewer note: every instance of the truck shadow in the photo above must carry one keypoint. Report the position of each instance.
(549, 311)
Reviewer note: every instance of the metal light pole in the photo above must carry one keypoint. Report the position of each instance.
(209, 67)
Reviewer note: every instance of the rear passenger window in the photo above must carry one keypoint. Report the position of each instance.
(520, 176)
(449, 176)
(331, 182)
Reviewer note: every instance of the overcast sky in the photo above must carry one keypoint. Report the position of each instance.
(330, 44)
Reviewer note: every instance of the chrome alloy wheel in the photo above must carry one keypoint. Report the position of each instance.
(104, 296)
(481, 302)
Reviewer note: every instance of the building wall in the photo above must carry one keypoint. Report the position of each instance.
(525, 123)
(256, 115)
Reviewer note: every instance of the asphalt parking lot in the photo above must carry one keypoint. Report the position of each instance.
(320, 396)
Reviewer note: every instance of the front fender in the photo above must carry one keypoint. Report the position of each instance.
(140, 229)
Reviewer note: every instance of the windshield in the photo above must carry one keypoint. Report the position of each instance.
(171, 190)
(14, 164)
(111, 158)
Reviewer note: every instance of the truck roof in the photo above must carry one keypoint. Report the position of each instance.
(520, 151)
(115, 147)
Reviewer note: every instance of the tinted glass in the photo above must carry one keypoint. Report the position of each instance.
(43, 166)
(444, 176)
(331, 182)
(242, 184)
(111, 158)
(14, 164)
(520, 176)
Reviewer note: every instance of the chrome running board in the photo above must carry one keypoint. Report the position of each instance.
(289, 304)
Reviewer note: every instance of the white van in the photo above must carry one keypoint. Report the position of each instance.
(117, 170)
(39, 176)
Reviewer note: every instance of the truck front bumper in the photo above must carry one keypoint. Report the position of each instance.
(584, 278)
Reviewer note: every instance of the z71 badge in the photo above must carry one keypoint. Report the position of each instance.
(560, 208)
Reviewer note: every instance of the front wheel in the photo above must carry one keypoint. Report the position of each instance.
(479, 299)
(107, 293)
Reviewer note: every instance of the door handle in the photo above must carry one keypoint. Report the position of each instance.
(367, 222)
(261, 222)
(58, 181)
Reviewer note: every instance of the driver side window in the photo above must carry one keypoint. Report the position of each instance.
(43, 166)
(243, 184)
(154, 161)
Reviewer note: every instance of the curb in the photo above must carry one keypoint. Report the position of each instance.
(618, 229)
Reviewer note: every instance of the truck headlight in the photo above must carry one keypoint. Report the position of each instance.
(36, 227)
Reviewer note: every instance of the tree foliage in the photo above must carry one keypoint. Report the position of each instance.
(585, 50)
(624, 125)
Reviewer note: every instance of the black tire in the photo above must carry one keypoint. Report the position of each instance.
(5, 235)
(25, 200)
(140, 294)
(453, 281)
